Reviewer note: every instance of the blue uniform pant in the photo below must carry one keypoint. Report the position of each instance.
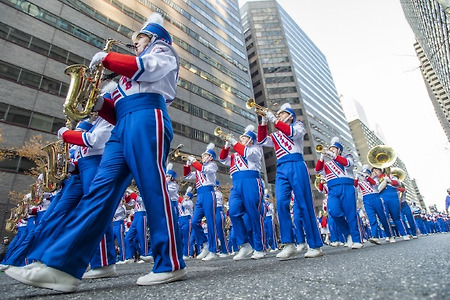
(136, 237)
(299, 231)
(105, 254)
(220, 225)
(292, 175)
(119, 236)
(232, 240)
(270, 233)
(17, 240)
(246, 198)
(374, 208)
(407, 214)
(392, 205)
(185, 229)
(138, 148)
(205, 206)
(342, 208)
(421, 225)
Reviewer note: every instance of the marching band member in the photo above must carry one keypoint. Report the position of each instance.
(269, 225)
(292, 175)
(387, 185)
(341, 195)
(220, 221)
(136, 240)
(138, 148)
(406, 213)
(185, 211)
(172, 187)
(205, 206)
(447, 201)
(247, 192)
(373, 205)
(119, 230)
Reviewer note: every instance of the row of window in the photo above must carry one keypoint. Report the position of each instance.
(28, 118)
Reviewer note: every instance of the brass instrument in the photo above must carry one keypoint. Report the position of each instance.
(381, 156)
(37, 194)
(321, 149)
(184, 156)
(259, 110)
(224, 136)
(317, 181)
(57, 164)
(84, 87)
(399, 173)
(11, 222)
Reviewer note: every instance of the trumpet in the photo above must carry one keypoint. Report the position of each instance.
(259, 110)
(184, 156)
(224, 136)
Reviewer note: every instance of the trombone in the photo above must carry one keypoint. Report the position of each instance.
(259, 110)
(224, 136)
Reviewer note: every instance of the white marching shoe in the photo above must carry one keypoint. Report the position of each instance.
(300, 247)
(258, 254)
(313, 253)
(288, 251)
(148, 258)
(102, 272)
(392, 240)
(349, 242)
(158, 278)
(45, 277)
(222, 255)
(245, 250)
(210, 256)
(406, 238)
(357, 245)
(375, 241)
(4, 267)
(204, 252)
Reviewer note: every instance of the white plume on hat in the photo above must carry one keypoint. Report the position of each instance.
(334, 140)
(266, 191)
(249, 128)
(169, 166)
(155, 18)
(210, 146)
(284, 106)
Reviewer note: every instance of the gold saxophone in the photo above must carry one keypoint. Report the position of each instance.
(11, 222)
(57, 164)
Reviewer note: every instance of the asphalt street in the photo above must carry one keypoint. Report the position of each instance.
(416, 269)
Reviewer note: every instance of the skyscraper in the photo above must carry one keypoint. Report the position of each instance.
(286, 66)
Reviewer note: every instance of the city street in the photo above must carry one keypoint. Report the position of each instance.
(416, 269)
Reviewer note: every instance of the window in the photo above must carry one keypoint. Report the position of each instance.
(18, 115)
(41, 122)
(30, 78)
(19, 38)
(39, 46)
(9, 164)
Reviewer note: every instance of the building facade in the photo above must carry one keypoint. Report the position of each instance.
(286, 66)
(430, 22)
(41, 38)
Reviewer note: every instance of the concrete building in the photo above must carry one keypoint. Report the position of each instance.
(286, 66)
(40, 38)
(430, 22)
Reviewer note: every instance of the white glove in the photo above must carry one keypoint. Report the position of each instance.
(98, 57)
(271, 117)
(191, 159)
(227, 145)
(61, 132)
(322, 157)
(264, 119)
(232, 141)
(330, 154)
(99, 104)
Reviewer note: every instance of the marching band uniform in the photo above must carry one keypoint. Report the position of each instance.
(341, 195)
(205, 206)
(138, 148)
(220, 221)
(406, 213)
(299, 230)
(136, 238)
(447, 201)
(292, 175)
(247, 193)
(119, 229)
(185, 211)
(20, 236)
(387, 185)
(373, 205)
(172, 187)
(269, 226)
(418, 219)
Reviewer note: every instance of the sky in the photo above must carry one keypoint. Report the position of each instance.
(370, 52)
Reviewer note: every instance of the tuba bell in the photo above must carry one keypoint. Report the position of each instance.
(84, 87)
(381, 156)
(399, 173)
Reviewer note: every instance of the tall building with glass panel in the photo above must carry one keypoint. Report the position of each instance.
(40, 38)
(286, 66)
